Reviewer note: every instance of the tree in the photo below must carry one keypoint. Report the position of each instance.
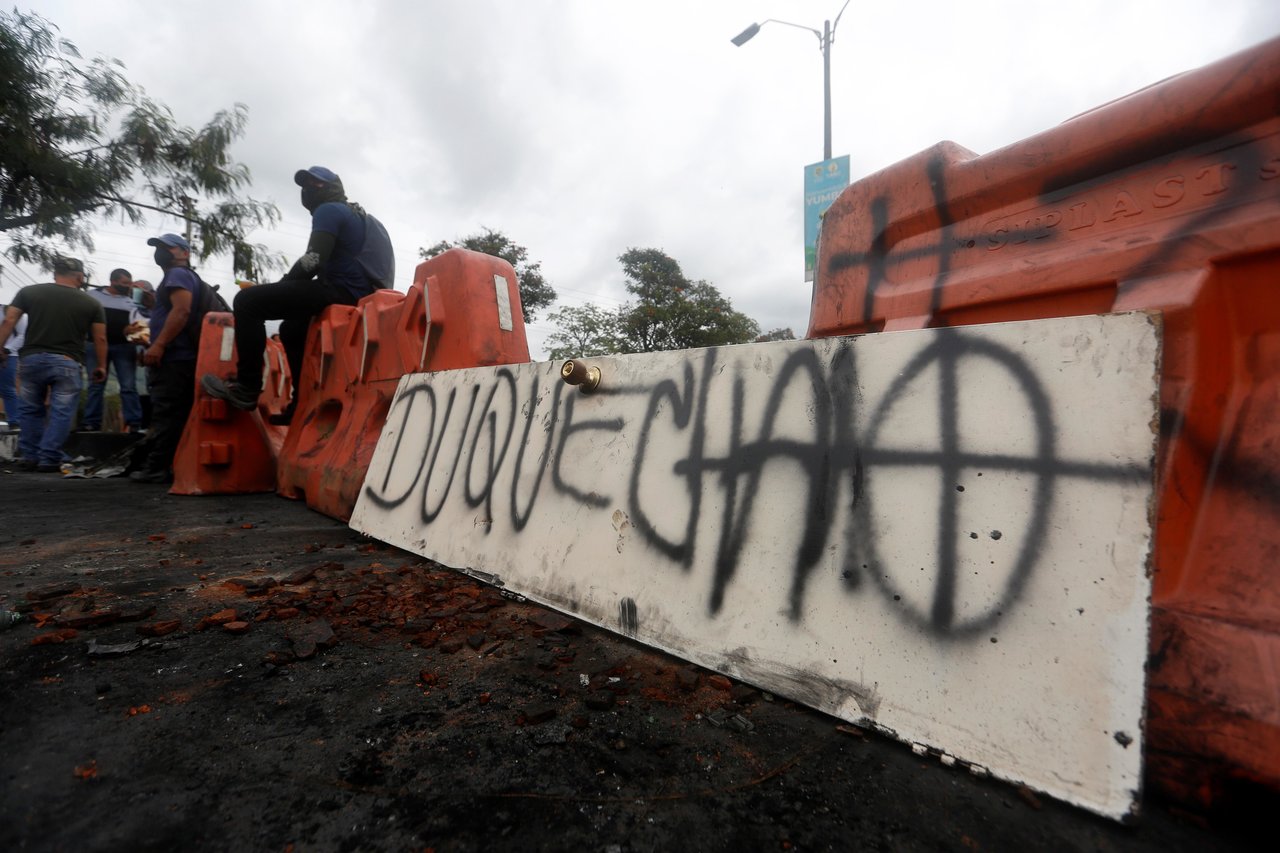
(535, 292)
(78, 141)
(584, 331)
(671, 312)
(776, 335)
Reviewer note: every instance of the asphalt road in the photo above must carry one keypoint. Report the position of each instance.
(321, 691)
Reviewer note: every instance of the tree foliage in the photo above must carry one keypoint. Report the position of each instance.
(584, 331)
(671, 312)
(79, 141)
(776, 335)
(535, 292)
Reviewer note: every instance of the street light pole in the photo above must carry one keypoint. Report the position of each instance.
(824, 44)
(826, 88)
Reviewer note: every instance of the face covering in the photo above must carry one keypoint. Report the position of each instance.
(314, 196)
(163, 258)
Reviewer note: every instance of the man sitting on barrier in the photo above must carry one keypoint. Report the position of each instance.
(348, 256)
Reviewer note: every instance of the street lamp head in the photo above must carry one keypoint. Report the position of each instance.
(746, 35)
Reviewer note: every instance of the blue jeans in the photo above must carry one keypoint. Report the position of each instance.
(124, 359)
(45, 431)
(9, 391)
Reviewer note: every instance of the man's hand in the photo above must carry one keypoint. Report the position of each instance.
(138, 333)
(153, 355)
(4, 355)
(99, 375)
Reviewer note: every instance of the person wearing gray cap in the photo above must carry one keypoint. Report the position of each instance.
(348, 256)
(171, 357)
(61, 316)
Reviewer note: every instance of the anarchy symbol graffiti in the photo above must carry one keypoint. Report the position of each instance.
(942, 609)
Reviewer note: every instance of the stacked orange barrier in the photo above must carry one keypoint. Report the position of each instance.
(1168, 199)
(224, 450)
(277, 388)
(463, 310)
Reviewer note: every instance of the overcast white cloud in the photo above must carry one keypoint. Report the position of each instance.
(581, 129)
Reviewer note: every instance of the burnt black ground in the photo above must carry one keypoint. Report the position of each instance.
(446, 715)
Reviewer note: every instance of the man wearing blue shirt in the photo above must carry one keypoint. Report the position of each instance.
(171, 357)
(348, 257)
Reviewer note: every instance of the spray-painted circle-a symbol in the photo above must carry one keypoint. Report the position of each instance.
(950, 350)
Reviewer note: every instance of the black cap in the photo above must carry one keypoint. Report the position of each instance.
(316, 173)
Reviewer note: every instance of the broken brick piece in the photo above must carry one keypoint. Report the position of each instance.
(236, 627)
(59, 636)
(1029, 797)
(303, 575)
(222, 617)
(135, 613)
(308, 639)
(687, 679)
(52, 591)
(252, 586)
(720, 682)
(538, 714)
(159, 629)
(88, 620)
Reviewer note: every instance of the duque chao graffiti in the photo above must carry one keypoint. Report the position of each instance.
(943, 533)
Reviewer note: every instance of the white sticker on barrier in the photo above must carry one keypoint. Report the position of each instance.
(228, 343)
(504, 303)
(942, 533)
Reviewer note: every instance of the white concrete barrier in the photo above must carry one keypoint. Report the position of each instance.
(941, 533)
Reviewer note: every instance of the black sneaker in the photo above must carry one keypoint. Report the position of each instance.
(25, 464)
(48, 468)
(148, 476)
(231, 391)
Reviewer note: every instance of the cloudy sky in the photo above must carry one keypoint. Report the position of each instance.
(582, 128)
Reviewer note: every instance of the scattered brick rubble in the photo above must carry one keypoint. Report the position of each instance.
(414, 602)
(380, 697)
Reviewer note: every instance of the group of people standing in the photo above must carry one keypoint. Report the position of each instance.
(69, 332)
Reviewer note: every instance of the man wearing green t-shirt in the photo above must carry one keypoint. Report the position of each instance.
(60, 316)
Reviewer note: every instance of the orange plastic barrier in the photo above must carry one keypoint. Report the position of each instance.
(1168, 199)
(224, 450)
(463, 310)
(277, 388)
